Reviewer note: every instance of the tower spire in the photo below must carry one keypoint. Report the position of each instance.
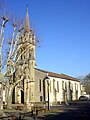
(27, 22)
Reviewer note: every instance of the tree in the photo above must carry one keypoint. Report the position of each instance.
(86, 83)
(13, 59)
(15, 49)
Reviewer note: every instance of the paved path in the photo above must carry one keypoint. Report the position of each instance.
(75, 111)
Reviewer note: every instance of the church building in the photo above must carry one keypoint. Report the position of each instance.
(35, 86)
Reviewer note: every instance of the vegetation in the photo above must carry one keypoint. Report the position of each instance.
(86, 83)
(13, 49)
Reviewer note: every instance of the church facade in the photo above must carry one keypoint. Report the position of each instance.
(34, 87)
(62, 87)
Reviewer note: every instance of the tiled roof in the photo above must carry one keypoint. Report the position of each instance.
(63, 76)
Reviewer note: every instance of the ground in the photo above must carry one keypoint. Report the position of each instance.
(79, 110)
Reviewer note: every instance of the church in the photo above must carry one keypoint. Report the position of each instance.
(39, 86)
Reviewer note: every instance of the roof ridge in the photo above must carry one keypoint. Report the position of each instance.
(63, 76)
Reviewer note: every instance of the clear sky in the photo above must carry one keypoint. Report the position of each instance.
(63, 27)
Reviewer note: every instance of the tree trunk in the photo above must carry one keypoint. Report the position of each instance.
(9, 97)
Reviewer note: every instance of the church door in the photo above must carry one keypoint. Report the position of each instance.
(22, 97)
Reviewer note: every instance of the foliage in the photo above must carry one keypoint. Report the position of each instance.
(86, 83)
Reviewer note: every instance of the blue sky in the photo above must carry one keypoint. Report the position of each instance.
(63, 27)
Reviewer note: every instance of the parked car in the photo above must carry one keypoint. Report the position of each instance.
(88, 96)
(83, 98)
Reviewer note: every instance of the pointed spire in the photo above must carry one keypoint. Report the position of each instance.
(27, 22)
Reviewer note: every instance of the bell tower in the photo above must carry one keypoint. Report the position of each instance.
(25, 90)
(29, 61)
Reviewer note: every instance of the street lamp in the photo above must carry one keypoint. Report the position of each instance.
(48, 83)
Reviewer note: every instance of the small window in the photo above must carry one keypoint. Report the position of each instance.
(75, 86)
(50, 85)
(39, 85)
(57, 86)
(62, 84)
(65, 86)
(53, 83)
(69, 85)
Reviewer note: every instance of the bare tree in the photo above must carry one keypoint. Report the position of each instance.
(86, 83)
(12, 58)
(15, 48)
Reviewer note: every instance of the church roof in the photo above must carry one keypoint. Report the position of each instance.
(63, 76)
(27, 22)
